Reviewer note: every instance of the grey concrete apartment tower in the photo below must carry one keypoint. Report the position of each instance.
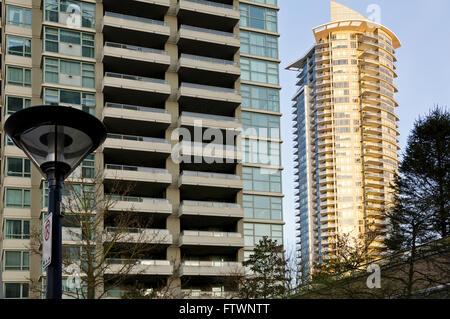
(149, 68)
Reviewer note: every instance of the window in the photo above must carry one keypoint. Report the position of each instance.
(269, 2)
(17, 229)
(71, 13)
(18, 167)
(16, 290)
(69, 72)
(261, 125)
(258, 17)
(14, 104)
(17, 16)
(17, 198)
(261, 152)
(261, 180)
(259, 71)
(259, 44)
(88, 167)
(80, 100)
(19, 76)
(16, 260)
(18, 46)
(69, 42)
(255, 232)
(262, 207)
(254, 97)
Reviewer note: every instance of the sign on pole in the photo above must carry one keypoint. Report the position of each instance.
(47, 242)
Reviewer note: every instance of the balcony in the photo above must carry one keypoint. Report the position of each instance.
(201, 294)
(213, 209)
(138, 235)
(208, 14)
(190, 119)
(204, 238)
(209, 71)
(211, 268)
(145, 181)
(138, 90)
(125, 58)
(139, 149)
(154, 9)
(207, 42)
(200, 98)
(139, 204)
(135, 30)
(134, 119)
(139, 267)
(208, 152)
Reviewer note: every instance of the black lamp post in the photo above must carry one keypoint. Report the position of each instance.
(56, 139)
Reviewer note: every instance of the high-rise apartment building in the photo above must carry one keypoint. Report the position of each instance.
(345, 134)
(150, 69)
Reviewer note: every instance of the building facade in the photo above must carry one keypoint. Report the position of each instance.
(156, 72)
(345, 134)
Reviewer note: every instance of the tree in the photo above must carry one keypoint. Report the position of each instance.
(426, 166)
(421, 198)
(266, 278)
(106, 244)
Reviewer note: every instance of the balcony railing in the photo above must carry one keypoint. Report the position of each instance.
(134, 18)
(135, 108)
(207, 59)
(210, 175)
(191, 263)
(136, 169)
(214, 4)
(134, 48)
(208, 87)
(211, 234)
(211, 31)
(137, 230)
(134, 199)
(145, 262)
(135, 78)
(210, 204)
(211, 117)
(137, 138)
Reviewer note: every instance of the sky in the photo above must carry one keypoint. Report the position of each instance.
(423, 66)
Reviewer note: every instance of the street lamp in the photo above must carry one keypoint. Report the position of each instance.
(56, 139)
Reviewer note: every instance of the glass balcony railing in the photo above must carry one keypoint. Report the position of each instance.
(136, 169)
(135, 108)
(209, 204)
(146, 262)
(211, 117)
(134, 48)
(211, 234)
(194, 263)
(207, 59)
(208, 87)
(210, 175)
(135, 78)
(137, 230)
(137, 138)
(214, 4)
(134, 199)
(134, 18)
(211, 31)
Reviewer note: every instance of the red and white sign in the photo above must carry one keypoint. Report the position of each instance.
(47, 242)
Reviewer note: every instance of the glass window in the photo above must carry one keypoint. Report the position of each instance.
(16, 260)
(54, 36)
(18, 167)
(53, 68)
(17, 198)
(19, 76)
(17, 229)
(259, 71)
(80, 100)
(17, 16)
(254, 97)
(14, 104)
(259, 44)
(261, 152)
(18, 46)
(258, 17)
(263, 207)
(255, 232)
(88, 166)
(261, 125)
(15, 290)
(261, 180)
(71, 13)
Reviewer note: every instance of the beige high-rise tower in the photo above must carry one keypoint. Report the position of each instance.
(346, 133)
(147, 68)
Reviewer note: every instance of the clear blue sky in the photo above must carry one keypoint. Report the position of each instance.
(423, 65)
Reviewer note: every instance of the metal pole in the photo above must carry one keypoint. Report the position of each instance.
(54, 270)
